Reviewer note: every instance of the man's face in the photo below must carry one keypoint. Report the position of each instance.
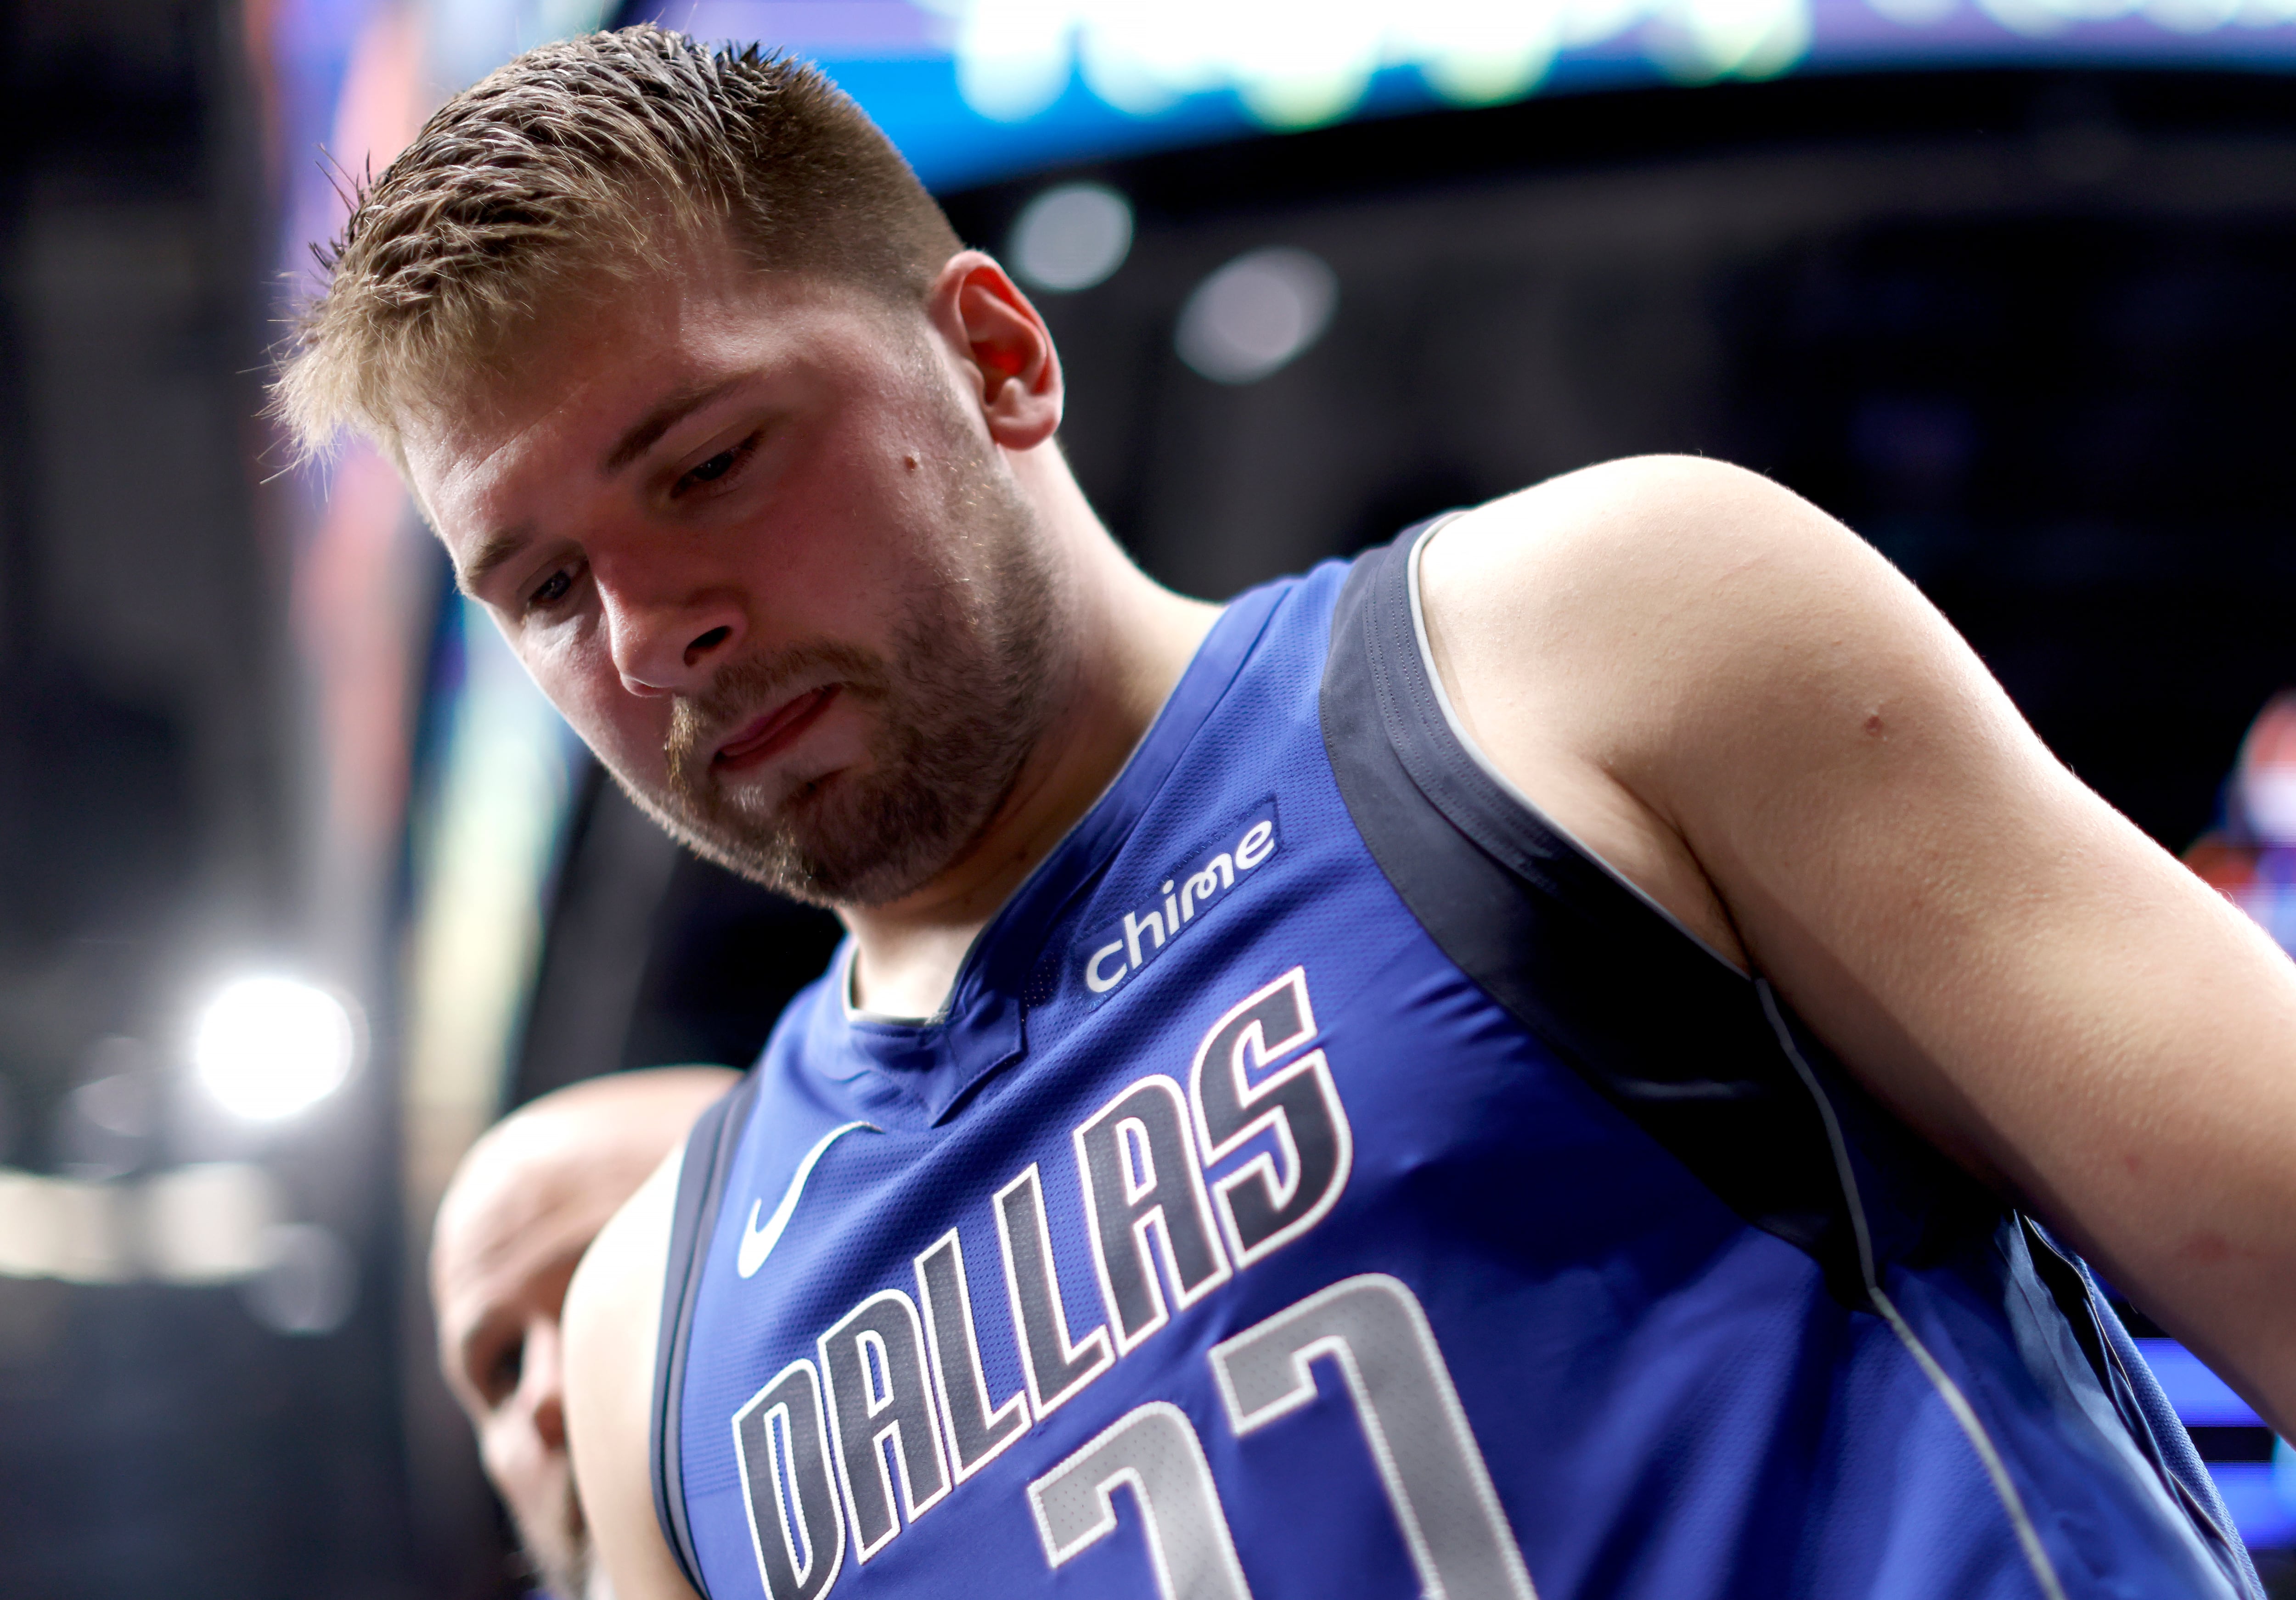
(750, 533)
(503, 1261)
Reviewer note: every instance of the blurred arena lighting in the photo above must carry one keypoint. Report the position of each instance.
(72, 1230)
(1297, 63)
(210, 1223)
(1257, 314)
(1071, 237)
(106, 1126)
(2251, 855)
(119, 1102)
(309, 1282)
(483, 860)
(2260, 1493)
(2266, 780)
(268, 1048)
(981, 90)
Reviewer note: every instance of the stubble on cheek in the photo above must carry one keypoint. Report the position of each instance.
(952, 723)
(786, 830)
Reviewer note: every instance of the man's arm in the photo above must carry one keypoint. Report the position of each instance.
(613, 1311)
(1748, 711)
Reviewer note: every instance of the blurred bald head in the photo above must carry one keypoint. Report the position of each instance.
(523, 1206)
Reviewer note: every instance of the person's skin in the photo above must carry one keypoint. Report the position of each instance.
(1743, 706)
(524, 1204)
(1721, 691)
(813, 536)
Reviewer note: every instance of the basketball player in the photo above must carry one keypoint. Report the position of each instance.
(523, 1207)
(1570, 1055)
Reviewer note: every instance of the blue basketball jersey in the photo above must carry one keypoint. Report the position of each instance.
(1328, 1179)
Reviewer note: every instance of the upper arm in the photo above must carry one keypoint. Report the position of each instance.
(1706, 677)
(612, 1314)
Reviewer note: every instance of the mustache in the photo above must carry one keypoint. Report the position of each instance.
(740, 689)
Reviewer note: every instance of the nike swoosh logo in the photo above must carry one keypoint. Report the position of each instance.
(757, 1242)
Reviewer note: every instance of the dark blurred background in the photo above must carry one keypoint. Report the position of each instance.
(2007, 288)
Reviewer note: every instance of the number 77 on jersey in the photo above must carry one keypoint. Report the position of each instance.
(1374, 1330)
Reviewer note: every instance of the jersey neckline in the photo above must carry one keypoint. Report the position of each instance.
(935, 1062)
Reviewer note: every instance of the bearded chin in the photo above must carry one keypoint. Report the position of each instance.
(958, 710)
(572, 1577)
(858, 839)
(563, 1562)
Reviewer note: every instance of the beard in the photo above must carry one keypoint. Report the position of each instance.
(959, 701)
(560, 1556)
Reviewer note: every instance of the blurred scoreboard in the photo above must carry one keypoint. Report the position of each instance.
(975, 91)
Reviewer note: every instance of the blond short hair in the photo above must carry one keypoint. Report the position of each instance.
(592, 158)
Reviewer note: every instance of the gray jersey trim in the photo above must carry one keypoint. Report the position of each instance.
(1972, 1427)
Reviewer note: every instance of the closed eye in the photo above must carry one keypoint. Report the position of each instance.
(551, 591)
(718, 468)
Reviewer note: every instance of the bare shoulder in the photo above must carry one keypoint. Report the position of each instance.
(1671, 563)
(1597, 629)
(612, 1317)
(1623, 639)
(1684, 508)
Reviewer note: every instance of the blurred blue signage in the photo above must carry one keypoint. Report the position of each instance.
(977, 90)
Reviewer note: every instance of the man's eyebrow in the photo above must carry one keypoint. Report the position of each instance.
(494, 550)
(504, 546)
(660, 421)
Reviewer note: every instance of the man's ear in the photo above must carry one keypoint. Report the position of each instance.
(1001, 346)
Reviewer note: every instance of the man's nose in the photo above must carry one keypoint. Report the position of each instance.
(672, 644)
(542, 1384)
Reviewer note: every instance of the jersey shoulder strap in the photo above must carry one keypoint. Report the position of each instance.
(1707, 1060)
(1701, 1056)
(701, 1188)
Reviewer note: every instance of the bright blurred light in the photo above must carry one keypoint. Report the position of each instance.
(209, 1223)
(1072, 236)
(1300, 63)
(1256, 313)
(2264, 783)
(60, 1227)
(32, 1226)
(1699, 40)
(216, 1222)
(1012, 60)
(267, 1048)
(1473, 52)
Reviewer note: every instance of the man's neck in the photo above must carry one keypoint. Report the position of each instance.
(1131, 641)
